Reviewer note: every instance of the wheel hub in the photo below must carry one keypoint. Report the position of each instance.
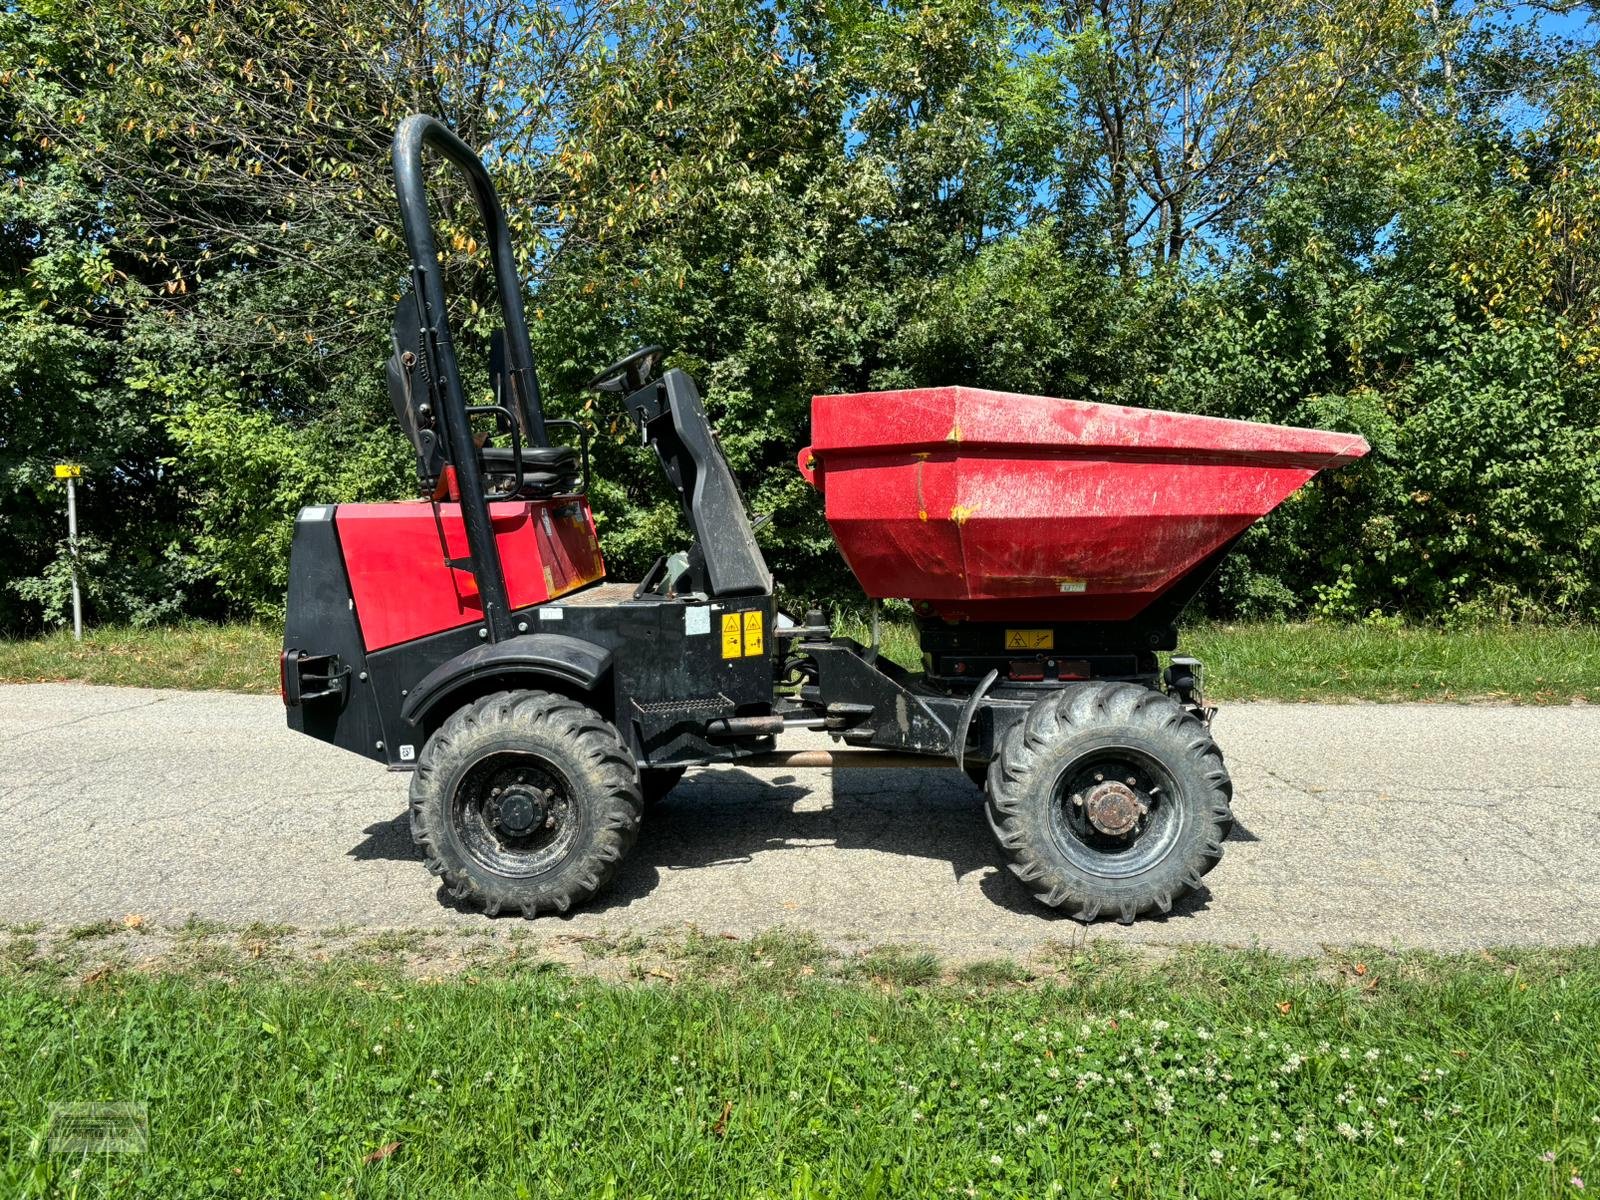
(1113, 808)
(521, 811)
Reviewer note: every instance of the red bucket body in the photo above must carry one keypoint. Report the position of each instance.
(994, 506)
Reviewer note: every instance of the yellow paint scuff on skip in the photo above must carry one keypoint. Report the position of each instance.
(960, 513)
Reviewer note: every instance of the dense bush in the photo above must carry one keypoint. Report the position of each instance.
(1385, 223)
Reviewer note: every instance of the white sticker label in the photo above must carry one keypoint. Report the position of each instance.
(1074, 585)
(314, 513)
(696, 620)
(407, 753)
(552, 614)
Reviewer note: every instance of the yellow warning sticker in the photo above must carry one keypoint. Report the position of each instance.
(1030, 639)
(752, 633)
(731, 647)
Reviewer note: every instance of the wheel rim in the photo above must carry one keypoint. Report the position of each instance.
(513, 813)
(1116, 812)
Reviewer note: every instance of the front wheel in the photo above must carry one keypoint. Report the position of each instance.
(525, 800)
(1109, 797)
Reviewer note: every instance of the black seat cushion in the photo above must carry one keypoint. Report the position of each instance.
(540, 458)
(546, 470)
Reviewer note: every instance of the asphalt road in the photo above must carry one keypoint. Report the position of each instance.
(1436, 826)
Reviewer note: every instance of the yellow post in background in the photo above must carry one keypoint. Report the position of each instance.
(70, 472)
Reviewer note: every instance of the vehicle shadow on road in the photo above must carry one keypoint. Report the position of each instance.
(720, 817)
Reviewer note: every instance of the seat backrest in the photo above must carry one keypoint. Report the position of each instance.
(408, 391)
(514, 389)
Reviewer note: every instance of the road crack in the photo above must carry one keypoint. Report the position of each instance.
(104, 712)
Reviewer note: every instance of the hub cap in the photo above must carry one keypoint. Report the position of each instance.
(520, 811)
(1115, 812)
(1114, 808)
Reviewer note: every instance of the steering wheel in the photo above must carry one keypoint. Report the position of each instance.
(629, 374)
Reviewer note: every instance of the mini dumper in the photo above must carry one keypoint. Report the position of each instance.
(1047, 547)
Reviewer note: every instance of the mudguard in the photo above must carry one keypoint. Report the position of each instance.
(555, 656)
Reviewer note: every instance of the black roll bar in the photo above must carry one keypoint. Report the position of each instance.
(417, 133)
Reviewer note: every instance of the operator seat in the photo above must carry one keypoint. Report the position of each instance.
(546, 470)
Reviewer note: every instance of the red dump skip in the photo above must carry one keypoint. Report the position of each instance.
(994, 506)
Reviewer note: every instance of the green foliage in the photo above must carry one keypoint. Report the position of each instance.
(114, 585)
(1357, 216)
(252, 473)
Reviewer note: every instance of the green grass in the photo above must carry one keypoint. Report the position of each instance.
(1527, 664)
(770, 1069)
(193, 655)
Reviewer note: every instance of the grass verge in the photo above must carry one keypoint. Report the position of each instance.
(195, 655)
(771, 1069)
(1526, 664)
(1521, 664)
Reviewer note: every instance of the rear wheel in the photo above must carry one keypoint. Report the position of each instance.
(1109, 797)
(524, 800)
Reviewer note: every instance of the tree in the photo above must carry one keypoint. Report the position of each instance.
(1194, 107)
(235, 204)
(64, 308)
(1352, 215)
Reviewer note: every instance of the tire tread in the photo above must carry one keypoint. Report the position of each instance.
(1015, 784)
(597, 752)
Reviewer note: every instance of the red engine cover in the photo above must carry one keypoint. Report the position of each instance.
(396, 558)
(994, 506)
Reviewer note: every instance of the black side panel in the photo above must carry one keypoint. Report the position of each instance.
(322, 621)
(578, 662)
(661, 669)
